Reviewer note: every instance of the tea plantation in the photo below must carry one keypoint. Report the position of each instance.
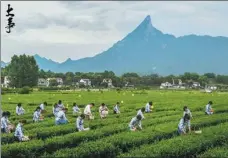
(110, 137)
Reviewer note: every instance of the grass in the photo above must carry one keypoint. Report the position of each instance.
(110, 137)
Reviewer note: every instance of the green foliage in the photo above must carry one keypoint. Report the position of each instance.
(22, 71)
(187, 146)
(53, 83)
(25, 90)
(111, 136)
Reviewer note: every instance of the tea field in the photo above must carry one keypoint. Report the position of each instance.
(110, 137)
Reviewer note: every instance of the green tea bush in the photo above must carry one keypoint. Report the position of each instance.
(188, 146)
(215, 152)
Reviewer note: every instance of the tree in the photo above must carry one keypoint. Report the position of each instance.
(4, 72)
(23, 71)
(53, 83)
(210, 75)
(42, 74)
(69, 78)
(203, 80)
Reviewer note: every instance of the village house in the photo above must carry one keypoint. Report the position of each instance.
(58, 80)
(85, 82)
(42, 82)
(165, 85)
(195, 84)
(129, 86)
(108, 81)
(5, 81)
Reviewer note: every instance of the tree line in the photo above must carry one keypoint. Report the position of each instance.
(24, 71)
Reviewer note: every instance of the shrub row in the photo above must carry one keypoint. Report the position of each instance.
(38, 130)
(188, 146)
(70, 139)
(124, 141)
(215, 152)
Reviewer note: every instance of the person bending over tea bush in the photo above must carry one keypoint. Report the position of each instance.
(184, 124)
(76, 109)
(103, 110)
(80, 123)
(6, 126)
(61, 117)
(116, 109)
(209, 110)
(19, 109)
(87, 111)
(140, 112)
(135, 122)
(187, 111)
(19, 136)
(148, 107)
(37, 114)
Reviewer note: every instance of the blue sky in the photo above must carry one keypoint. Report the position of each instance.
(61, 30)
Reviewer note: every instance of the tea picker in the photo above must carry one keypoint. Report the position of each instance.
(87, 111)
(135, 122)
(148, 106)
(140, 112)
(209, 110)
(80, 123)
(184, 124)
(116, 109)
(19, 135)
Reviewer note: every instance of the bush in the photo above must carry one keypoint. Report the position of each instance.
(24, 90)
(53, 88)
(8, 90)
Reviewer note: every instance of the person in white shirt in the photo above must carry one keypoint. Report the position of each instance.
(116, 108)
(209, 110)
(37, 114)
(87, 111)
(135, 122)
(60, 104)
(140, 112)
(55, 109)
(187, 111)
(10, 125)
(76, 109)
(4, 123)
(61, 117)
(19, 132)
(103, 110)
(19, 109)
(80, 123)
(148, 105)
(42, 107)
(183, 124)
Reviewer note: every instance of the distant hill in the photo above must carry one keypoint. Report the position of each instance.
(148, 50)
(3, 64)
(46, 64)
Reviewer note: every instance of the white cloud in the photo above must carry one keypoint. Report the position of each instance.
(81, 29)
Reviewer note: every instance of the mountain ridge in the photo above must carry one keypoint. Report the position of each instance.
(145, 48)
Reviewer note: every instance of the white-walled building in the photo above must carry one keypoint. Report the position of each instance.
(196, 84)
(86, 82)
(108, 81)
(42, 82)
(58, 80)
(5, 82)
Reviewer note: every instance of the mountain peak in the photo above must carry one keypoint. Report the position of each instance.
(146, 27)
(147, 20)
(36, 55)
(68, 60)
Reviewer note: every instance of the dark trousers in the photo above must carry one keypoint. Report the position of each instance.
(3, 130)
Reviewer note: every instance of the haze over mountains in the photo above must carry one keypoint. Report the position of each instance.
(147, 50)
